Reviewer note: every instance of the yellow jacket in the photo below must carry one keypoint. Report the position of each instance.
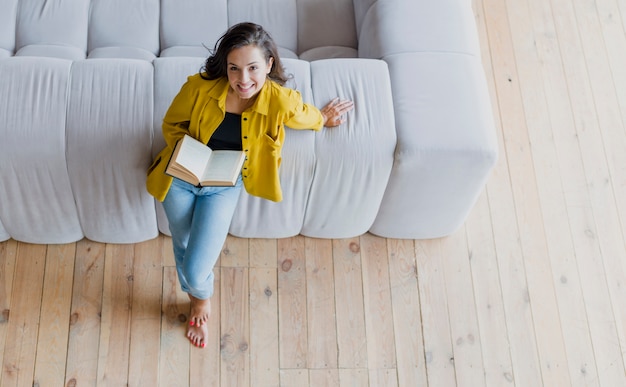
(200, 107)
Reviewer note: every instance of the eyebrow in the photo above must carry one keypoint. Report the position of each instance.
(251, 63)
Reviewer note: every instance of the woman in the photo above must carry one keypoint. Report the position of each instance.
(238, 101)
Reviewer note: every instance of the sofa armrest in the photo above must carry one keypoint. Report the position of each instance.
(446, 144)
(446, 136)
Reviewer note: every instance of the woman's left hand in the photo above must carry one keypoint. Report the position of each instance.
(334, 112)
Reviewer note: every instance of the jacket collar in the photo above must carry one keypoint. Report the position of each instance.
(261, 105)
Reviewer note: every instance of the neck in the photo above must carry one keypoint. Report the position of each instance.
(236, 104)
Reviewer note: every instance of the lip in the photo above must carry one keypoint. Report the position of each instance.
(245, 89)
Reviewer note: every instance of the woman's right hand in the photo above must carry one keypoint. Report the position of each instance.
(334, 112)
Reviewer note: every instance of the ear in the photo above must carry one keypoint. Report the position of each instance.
(270, 63)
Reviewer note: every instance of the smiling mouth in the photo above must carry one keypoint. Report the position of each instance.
(245, 89)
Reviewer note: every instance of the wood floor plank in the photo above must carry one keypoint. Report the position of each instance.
(527, 367)
(292, 304)
(174, 355)
(294, 377)
(263, 253)
(439, 353)
(264, 358)
(520, 330)
(481, 245)
(8, 253)
(614, 34)
(205, 364)
(381, 351)
(21, 338)
(324, 377)
(322, 326)
(611, 186)
(235, 323)
(594, 231)
(519, 120)
(145, 328)
(549, 172)
(52, 342)
(167, 252)
(85, 319)
(490, 310)
(350, 314)
(383, 378)
(566, 199)
(468, 359)
(117, 300)
(235, 252)
(354, 377)
(407, 317)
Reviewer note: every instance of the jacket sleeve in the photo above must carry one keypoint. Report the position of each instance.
(303, 115)
(178, 116)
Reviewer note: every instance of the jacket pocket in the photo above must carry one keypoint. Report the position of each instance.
(274, 144)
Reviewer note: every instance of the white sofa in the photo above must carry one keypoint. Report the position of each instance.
(84, 85)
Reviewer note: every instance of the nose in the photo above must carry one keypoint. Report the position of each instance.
(245, 75)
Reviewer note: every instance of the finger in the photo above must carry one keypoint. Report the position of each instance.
(346, 105)
(343, 106)
(345, 109)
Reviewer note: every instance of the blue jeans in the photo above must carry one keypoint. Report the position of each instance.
(199, 220)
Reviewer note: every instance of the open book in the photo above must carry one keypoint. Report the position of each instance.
(195, 163)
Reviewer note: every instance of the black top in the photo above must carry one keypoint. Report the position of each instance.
(227, 136)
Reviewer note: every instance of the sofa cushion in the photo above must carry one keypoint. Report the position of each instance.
(33, 169)
(52, 51)
(185, 51)
(121, 53)
(329, 52)
(109, 126)
(353, 161)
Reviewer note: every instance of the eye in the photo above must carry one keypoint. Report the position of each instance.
(253, 68)
(233, 68)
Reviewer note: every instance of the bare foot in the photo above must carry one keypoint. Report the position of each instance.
(200, 311)
(197, 331)
(198, 335)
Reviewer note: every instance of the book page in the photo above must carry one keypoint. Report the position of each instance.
(224, 165)
(193, 156)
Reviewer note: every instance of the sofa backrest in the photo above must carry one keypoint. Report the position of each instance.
(296, 26)
(7, 27)
(145, 29)
(53, 28)
(122, 28)
(187, 25)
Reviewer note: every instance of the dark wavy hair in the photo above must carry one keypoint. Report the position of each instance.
(241, 35)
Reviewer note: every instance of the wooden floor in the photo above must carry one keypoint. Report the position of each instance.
(530, 292)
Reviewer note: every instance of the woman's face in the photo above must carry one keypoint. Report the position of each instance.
(247, 70)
